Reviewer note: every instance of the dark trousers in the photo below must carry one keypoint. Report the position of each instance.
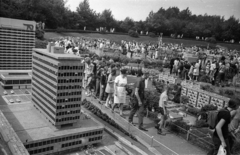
(231, 140)
(102, 92)
(171, 69)
(141, 114)
(97, 90)
(133, 112)
(216, 144)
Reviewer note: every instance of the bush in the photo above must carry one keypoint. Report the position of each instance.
(208, 107)
(229, 92)
(212, 40)
(152, 99)
(60, 29)
(40, 44)
(207, 88)
(193, 111)
(39, 34)
(151, 34)
(103, 32)
(133, 33)
(204, 78)
(184, 99)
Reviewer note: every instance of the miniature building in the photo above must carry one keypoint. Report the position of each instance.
(39, 136)
(17, 38)
(56, 85)
(16, 80)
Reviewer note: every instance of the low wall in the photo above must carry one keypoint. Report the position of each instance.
(14, 143)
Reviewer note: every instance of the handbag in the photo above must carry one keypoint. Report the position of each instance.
(221, 150)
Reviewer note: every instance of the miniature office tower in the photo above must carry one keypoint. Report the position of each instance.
(56, 85)
(17, 38)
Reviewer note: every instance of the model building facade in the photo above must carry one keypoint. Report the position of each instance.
(17, 38)
(56, 85)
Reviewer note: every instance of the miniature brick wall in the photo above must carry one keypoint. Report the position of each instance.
(198, 97)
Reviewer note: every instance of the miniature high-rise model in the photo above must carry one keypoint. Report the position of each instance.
(56, 85)
(17, 38)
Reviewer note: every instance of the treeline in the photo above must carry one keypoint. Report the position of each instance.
(167, 21)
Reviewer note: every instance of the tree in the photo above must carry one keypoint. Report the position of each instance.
(106, 19)
(87, 17)
(127, 24)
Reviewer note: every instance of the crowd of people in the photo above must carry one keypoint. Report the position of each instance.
(216, 71)
(107, 80)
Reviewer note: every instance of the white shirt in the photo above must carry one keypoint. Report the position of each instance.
(70, 51)
(101, 45)
(163, 98)
(176, 62)
(213, 66)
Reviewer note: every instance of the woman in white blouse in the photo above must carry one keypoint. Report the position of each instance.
(120, 84)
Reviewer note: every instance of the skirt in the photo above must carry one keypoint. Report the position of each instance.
(121, 95)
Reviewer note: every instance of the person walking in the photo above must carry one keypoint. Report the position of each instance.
(98, 77)
(196, 71)
(103, 82)
(138, 101)
(222, 73)
(88, 75)
(120, 91)
(221, 133)
(162, 109)
(110, 87)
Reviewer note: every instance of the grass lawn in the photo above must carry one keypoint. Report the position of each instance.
(145, 39)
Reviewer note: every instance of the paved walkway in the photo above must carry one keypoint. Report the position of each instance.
(169, 144)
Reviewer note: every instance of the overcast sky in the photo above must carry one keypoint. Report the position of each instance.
(139, 9)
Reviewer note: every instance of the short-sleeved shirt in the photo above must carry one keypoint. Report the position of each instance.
(224, 114)
(140, 84)
(163, 98)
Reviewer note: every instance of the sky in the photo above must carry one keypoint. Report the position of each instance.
(139, 9)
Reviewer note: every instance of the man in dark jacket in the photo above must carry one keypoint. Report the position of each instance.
(138, 100)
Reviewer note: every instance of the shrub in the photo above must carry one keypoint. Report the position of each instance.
(193, 111)
(103, 32)
(204, 78)
(207, 88)
(60, 29)
(151, 34)
(208, 107)
(212, 40)
(133, 33)
(39, 34)
(40, 44)
(152, 98)
(184, 99)
(229, 92)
